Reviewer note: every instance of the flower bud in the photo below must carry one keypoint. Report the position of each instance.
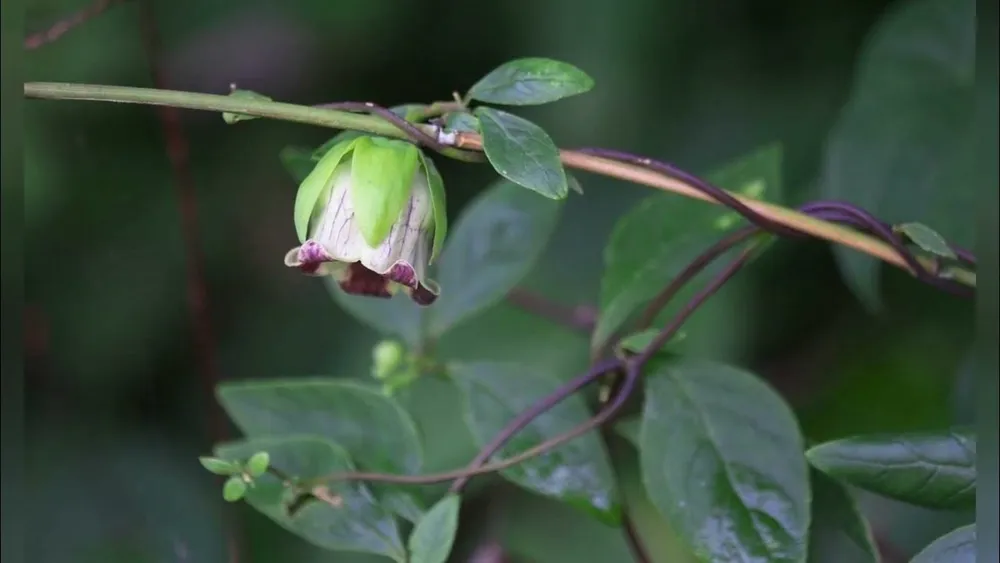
(371, 214)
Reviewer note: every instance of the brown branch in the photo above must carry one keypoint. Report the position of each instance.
(58, 29)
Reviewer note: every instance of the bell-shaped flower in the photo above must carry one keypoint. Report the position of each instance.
(372, 215)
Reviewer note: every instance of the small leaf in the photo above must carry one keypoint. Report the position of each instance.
(234, 489)
(934, 470)
(957, 546)
(637, 342)
(258, 463)
(661, 235)
(435, 184)
(382, 173)
(355, 523)
(461, 121)
(231, 118)
(721, 457)
(434, 534)
(522, 152)
(496, 242)
(298, 162)
(574, 184)
(377, 433)
(578, 472)
(531, 81)
(927, 239)
(219, 466)
(313, 186)
(839, 532)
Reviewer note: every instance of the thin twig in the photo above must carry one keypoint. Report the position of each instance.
(639, 552)
(58, 29)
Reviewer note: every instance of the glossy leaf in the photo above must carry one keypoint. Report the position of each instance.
(310, 190)
(896, 147)
(531, 81)
(522, 152)
(230, 117)
(935, 470)
(659, 237)
(378, 434)
(957, 546)
(435, 184)
(382, 176)
(578, 472)
(721, 456)
(496, 242)
(434, 534)
(839, 532)
(927, 239)
(355, 522)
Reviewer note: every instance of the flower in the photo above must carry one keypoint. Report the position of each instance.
(374, 220)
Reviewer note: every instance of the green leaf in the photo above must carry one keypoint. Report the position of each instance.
(382, 173)
(578, 472)
(522, 152)
(230, 117)
(219, 466)
(657, 239)
(406, 111)
(234, 489)
(531, 81)
(258, 463)
(435, 184)
(298, 162)
(935, 470)
(434, 534)
(378, 434)
(957, 546)
(461, 121)
(839, 532)
(313, 186)
(390, 317)
(636, 342)
(496, 242)
(927, 239)
(629, 429)
(896, 149)
(356, 524)
(721, 457)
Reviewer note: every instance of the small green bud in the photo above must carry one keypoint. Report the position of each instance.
(234, 489)
(219, 466)
(387, 357)
(257, 464)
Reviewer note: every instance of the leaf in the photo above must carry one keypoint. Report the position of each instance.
(230, 117)
(578, 472)
(298, 162)
(651, 244)
(839, 531)
(531, 81)
(382, 176)
(721, 457)
(934, 470)
(357, 524)
(439, 207)
(522, 152)
(629, 429)
(219, 466)
(636, 342)
(496, 242)
(461, 121)
(957, 546)
(897, 145)
(374, 429)
(390, 317)
(312, 187)
(927, 239)
(434, 534)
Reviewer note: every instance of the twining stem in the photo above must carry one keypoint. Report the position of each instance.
(793, 219)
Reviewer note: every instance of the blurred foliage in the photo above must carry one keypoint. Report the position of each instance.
(118, 409)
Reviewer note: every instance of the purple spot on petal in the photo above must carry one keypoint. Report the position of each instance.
(404, 274)
(362, 281)
(311, 256)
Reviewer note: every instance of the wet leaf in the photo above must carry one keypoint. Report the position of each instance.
(522, 152)
(434, 534)
(495, 243)
(721, 457)
(353, 521)
(935, 470)
(578, 472)
(531, 81)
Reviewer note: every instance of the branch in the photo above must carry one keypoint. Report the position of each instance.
(58, 29)
(637, 172)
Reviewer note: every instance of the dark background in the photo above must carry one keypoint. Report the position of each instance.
(118, 398)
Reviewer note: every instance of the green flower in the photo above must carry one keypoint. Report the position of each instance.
(372, 215)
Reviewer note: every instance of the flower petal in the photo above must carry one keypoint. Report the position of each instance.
(362, 281)
(313, 260)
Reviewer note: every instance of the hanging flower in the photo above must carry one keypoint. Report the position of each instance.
(371, 214)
